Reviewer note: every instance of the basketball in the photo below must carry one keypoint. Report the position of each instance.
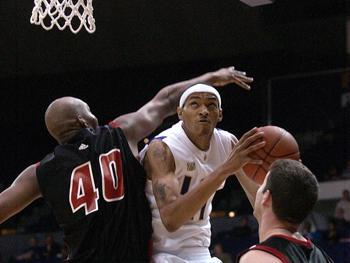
(280, 144)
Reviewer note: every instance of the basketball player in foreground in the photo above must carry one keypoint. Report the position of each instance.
(92, 180)
(187, 164)
(282, 202)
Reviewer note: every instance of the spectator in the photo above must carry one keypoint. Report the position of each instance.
(342, 209)
(333, 233)
(63, 253)
(220, 254)
(51, 249)
(307, 232)
(346, 172)
(33, 254)
(306, 229)
(332, 174)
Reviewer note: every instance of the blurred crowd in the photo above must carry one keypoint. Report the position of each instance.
(48, 252)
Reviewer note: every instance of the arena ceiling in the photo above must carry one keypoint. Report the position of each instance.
(142, 32)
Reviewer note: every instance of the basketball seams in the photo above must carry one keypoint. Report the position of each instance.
(267, 154)
(277, 141)
(280, 145)
(286, 155)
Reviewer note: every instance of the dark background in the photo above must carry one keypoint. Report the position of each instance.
(140, 46)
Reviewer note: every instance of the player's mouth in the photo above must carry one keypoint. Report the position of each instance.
(204, 121)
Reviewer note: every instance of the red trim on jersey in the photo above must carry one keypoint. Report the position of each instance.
(272, 251)
(114, 124)
(306, 243)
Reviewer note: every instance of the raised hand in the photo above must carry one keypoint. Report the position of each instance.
(229, 75)
(250, 142)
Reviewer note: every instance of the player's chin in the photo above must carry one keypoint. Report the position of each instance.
(204, 128)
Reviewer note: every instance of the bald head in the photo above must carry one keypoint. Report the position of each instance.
(66, 116)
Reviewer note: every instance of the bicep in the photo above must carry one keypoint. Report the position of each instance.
(22, 192)
(137, 125)
(160, 168)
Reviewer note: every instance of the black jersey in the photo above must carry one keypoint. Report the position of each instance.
(291, 250)
(95, 187)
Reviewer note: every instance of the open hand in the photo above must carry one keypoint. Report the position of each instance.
(229, 75)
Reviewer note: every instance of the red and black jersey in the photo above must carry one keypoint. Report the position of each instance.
(95, 187)
(291, 250)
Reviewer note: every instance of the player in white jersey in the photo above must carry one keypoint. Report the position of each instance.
(187, 164)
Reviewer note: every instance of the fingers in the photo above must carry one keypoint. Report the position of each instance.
(256, 147)
(246, 143)
(240, 74)
(241, 84)
(245, 78)
(248, 134)
(257, 162)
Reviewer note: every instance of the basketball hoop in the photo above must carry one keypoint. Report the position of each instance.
(64, 13)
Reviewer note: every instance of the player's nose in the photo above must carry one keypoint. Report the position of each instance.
(203, 110)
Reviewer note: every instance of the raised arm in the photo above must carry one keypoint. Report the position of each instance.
(249, 186)
(137, 125)
(21, 193)
(176, 209)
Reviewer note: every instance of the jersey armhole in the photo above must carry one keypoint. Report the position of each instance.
(113, 124)
(271, 251)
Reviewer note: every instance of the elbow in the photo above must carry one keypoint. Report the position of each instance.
(170, 223)
(171, 226)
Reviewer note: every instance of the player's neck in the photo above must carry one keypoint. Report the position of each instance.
(272, 226)
(201, 141)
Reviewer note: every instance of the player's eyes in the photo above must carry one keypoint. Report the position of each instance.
(213, 106)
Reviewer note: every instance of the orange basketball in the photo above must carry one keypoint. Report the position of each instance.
(280, 144)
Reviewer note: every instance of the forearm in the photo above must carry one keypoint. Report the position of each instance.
(9, 204)
(248, 185)
(181, 210)
(21, 193)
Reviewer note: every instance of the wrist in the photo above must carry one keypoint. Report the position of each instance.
(223, 173)
(209, 78)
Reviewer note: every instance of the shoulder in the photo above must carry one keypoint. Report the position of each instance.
(225, 135)
(253, 256)
(174, 130)
(158, 149)
(46, 163)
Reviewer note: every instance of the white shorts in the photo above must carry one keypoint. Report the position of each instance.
(188, 255)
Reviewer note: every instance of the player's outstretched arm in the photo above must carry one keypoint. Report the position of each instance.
(137, 125)
(249, 186)
(21, 193)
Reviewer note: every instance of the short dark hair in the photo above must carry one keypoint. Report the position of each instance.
(294, 190)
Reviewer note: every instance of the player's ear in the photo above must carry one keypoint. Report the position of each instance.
(83, 123)
(220, 116)
(266, 198)
(179, 111)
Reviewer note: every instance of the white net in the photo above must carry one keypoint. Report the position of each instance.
(64, 13)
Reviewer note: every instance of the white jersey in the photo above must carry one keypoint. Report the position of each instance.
(192, 166)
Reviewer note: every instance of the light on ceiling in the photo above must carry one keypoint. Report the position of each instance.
(257, 2)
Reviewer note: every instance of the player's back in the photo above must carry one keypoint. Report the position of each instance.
(292, 250)
(96, 189)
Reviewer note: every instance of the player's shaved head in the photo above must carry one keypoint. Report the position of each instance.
(66, 116)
